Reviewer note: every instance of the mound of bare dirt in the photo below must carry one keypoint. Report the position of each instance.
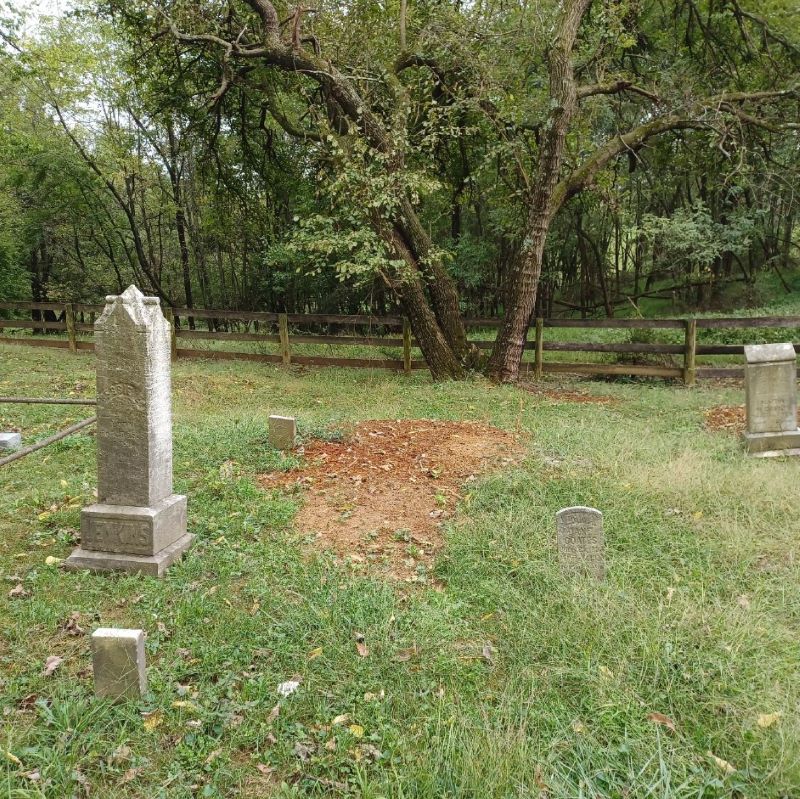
(380, 497)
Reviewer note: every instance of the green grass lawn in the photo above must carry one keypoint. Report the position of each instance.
(699, 619)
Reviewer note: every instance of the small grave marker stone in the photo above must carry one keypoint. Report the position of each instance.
(581, 544)
(771, 399)
(118, 664)
(282, 432)
(10, 441)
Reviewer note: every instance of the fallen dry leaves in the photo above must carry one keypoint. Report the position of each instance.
(728, 419)
(664, 721)
(51, 664)
(766, 720)
(361, 645)
(380, 497)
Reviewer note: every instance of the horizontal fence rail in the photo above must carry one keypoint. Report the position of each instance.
(287, 331)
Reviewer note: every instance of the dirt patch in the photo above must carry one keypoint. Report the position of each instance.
(568, 395)
(728, 418)
(380, 497)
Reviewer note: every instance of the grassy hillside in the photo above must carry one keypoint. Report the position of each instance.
(678, 677)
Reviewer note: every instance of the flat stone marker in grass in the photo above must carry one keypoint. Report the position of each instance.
(771, 398)
(118, 664)
(581, 544)
(282, 432)
(138, 524)
(10, 441)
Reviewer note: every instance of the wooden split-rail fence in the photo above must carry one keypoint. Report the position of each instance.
(75, 320)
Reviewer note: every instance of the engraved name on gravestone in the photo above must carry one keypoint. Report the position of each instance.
(581, 546)
(771, 398)
(138, 524)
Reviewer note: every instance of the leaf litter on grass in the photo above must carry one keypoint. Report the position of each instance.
(728, 418)
(380, 497)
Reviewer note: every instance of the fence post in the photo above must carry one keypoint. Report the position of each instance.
(169, 314)
(283, 331)
(538, 361)
(690, 352)
(69, 317)
(406, 346)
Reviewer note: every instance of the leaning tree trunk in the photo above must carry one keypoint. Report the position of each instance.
(442, 361)
(442, 287)
(504, 364)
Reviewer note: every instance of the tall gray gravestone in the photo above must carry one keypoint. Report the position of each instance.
(138, 524)
(771, 398)
(581, 545)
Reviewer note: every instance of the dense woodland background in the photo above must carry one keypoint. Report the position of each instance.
(247, 156)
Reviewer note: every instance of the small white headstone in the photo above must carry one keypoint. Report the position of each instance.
(282, 432)
(118, 663)
(581, 545)
(10, 440)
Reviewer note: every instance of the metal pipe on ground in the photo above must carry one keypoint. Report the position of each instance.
(48, 401)
(47, 441)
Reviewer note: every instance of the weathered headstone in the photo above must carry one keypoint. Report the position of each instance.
(581, 545)
(138, 524)
(118, 663)
(10, 440)
(282, 432)
(771, 396)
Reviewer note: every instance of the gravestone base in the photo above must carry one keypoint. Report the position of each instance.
(150, 565)
(10, 441)
(134, 530)
(765, 445)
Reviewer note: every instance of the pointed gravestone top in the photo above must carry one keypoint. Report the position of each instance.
(132, 309)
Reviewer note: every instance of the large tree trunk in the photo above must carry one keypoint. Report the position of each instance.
(180, 221)
(439, 355)
(442, 287)
(504, 364)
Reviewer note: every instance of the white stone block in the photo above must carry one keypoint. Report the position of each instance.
(119, 664)
(10, 441)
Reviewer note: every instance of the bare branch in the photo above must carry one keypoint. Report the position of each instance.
(694, 118)
(269, 18)
(614, 87)
(766, 30)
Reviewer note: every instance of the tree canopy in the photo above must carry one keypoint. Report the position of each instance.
(446, 158)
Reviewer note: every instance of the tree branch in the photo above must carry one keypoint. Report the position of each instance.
(614, 87)
(692, 119)
(269, 19)
(766, 30)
